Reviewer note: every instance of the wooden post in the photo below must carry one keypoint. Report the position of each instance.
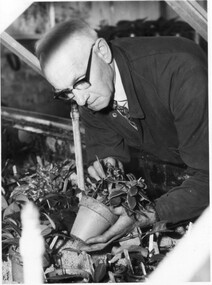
(23, 53)
(77, 145)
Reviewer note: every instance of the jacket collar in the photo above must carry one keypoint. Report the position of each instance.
(124, 68)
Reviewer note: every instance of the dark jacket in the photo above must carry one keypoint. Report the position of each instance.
(165, 80)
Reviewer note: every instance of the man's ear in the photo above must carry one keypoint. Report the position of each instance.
(103, 50)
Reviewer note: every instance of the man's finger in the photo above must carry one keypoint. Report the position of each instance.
(97, 239)
(120, 227)
(99, 246)
(92, 172)
(114, 162)
(93, 247)
(109, 160)
(118, 210)
(99, 169)
(120, 166)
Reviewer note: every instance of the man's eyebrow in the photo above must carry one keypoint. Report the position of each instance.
(77, 78)
(62, 90)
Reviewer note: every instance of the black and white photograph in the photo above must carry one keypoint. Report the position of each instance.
(105, 162)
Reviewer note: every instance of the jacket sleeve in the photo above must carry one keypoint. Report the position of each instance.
(101, 140)
(190, 110)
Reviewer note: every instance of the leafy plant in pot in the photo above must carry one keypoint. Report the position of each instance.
(94, 215)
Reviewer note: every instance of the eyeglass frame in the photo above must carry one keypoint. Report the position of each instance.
(63, 94)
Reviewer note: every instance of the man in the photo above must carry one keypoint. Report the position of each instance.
(163, 83)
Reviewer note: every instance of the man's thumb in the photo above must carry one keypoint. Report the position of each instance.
(118, 210)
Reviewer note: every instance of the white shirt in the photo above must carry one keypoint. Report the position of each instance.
(120, 95)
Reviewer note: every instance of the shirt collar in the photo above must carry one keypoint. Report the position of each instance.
(120, 95)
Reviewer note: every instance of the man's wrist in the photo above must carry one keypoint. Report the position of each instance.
(147, 218)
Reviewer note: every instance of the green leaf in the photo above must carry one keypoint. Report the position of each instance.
(20, 189)
(138, 249)
(143, 196)
(115, 201)
(13, 227)
(100, 272)
(156, 258)
(142, 185)
(131, 176)
(53, 176)
(15, 219)
(55, 196)
(12, 241)
(51, 221)
(11, 209)
(116, 193)
(7, 235)
(21, 197)
(4, 203)
(131, 200)
(45, 230)
(11, 221)
(133, 191)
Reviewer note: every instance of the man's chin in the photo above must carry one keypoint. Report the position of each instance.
(98, 107)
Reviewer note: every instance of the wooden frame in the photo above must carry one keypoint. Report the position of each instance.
(23, 53)
(38, 123)
(192, 13)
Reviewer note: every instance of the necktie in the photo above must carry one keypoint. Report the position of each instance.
(124, 111)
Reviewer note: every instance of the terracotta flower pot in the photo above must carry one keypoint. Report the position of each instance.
(93, 218)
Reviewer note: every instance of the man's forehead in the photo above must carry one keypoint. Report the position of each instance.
(67, 61)
(73, 49)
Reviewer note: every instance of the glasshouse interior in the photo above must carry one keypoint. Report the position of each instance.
(104, 143)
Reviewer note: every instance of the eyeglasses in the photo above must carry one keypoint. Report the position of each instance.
(84, 83)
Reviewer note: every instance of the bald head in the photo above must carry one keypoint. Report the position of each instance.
(60, 34)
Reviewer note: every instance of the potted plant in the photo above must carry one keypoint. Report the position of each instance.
(94, 215)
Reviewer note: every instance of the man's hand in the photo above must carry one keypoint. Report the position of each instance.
(123, 225)
(96, 170)
(149, 217)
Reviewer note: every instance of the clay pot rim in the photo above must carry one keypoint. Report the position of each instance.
(85, 201)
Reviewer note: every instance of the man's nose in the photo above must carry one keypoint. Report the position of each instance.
(81, 97)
